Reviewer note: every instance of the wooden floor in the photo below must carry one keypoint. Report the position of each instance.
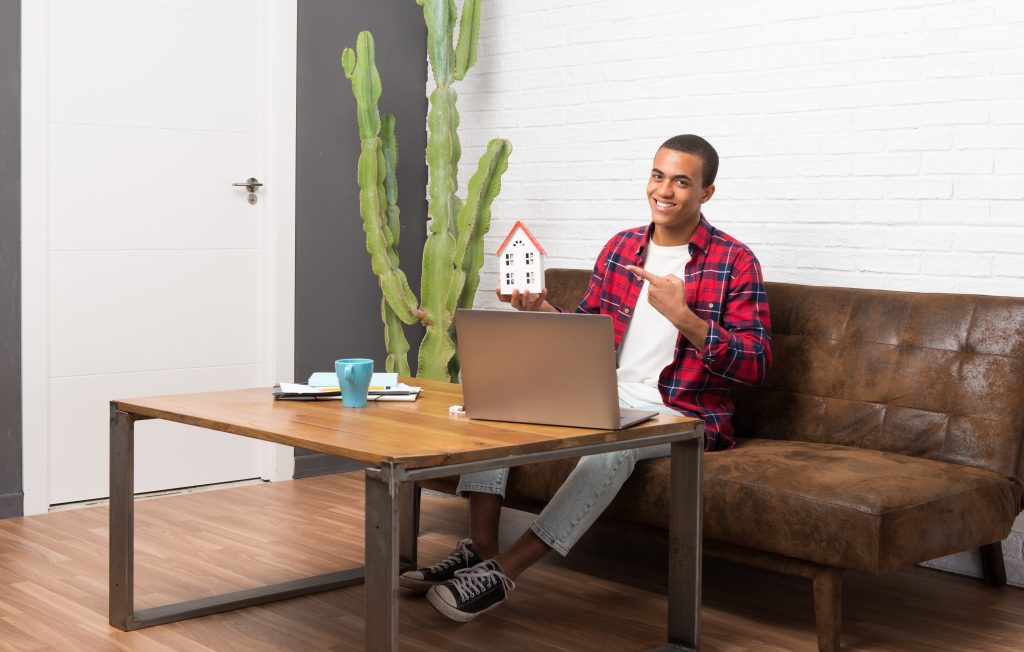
(608, 595)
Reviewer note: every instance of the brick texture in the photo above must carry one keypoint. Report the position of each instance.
(877, 144)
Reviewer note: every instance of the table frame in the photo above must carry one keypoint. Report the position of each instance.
(392, 517)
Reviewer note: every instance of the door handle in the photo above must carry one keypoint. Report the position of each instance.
(251, 184)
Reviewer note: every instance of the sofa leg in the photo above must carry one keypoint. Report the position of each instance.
(992, 566)
(828, 608)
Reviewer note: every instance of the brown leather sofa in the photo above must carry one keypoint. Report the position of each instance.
(889, 432)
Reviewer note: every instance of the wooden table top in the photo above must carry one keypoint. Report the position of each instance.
(417, 434)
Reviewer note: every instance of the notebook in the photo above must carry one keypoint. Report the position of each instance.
(534, 367)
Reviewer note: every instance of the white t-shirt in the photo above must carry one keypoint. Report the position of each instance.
(650, 341)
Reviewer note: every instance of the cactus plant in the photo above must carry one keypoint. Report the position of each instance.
(453, 252)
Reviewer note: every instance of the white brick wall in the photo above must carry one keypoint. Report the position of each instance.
(872, 144)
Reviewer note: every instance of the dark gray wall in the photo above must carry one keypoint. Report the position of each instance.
(337, 301)
(10, 258)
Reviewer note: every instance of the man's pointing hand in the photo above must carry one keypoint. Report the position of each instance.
(668, 296)
(666, 293)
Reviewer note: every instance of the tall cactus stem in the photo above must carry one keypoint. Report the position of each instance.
(361, 70)
(453, 252)
(391, 178)
(395, 342)
(475, 217)
(469, 31)
(440, 18)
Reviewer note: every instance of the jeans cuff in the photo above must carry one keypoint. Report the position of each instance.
(479, 488)
(551, 541)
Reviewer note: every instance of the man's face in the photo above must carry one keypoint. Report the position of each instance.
(675, 190)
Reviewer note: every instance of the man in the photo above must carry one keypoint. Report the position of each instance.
(690, 315)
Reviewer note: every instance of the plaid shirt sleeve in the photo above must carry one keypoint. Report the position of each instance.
(739, 348)
(591, 301)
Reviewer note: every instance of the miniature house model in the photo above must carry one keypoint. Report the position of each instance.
(520, 262)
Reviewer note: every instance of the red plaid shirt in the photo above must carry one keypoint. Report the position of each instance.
(723, 286)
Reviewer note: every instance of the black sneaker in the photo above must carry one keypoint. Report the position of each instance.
(464, 556)
(471, 592)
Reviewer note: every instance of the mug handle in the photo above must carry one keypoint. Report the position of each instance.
(349, 373)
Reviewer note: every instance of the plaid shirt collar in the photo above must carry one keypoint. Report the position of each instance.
(699, 241)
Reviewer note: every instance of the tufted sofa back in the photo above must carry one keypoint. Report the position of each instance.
(937, 376)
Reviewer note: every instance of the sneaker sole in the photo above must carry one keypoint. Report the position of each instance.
(451, 612)
(412, 584)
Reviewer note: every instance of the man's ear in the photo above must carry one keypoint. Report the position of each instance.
(708, 191)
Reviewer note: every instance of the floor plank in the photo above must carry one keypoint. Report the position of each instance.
(607, 595)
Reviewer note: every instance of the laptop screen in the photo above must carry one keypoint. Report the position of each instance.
(536, 367)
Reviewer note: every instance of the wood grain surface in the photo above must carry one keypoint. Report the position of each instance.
(418, 434)
(608, 595)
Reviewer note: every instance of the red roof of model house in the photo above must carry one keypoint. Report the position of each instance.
(529, 235)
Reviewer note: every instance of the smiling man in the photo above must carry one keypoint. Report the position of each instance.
(690, 316)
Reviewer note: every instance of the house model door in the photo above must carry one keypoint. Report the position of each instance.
(153, 270)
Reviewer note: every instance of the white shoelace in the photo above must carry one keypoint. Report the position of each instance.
(459, 555)
(470, 582)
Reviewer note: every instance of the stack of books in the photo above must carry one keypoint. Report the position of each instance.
(324, 385)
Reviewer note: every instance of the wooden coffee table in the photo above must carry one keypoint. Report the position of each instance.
(401, 443)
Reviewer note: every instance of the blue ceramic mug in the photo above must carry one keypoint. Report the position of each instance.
(354, 379)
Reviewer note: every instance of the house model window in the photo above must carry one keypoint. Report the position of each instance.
(521, 262)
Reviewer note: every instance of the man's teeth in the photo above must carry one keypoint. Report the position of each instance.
(662, 204)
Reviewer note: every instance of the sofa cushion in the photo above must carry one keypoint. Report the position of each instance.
(850, 508)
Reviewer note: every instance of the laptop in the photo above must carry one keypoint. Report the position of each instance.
(538, 367)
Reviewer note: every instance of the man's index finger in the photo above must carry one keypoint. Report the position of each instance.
(642, 273)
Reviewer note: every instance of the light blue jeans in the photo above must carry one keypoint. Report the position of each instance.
(588, 490)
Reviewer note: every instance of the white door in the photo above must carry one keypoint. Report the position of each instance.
(160, 274)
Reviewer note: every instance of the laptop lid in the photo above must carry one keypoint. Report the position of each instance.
(534, 367)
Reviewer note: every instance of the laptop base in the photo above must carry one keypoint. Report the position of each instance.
(629, 417)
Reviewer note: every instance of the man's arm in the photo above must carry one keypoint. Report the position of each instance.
(591, 301)
(740, 347)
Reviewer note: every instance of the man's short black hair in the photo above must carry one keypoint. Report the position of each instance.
(702, 149)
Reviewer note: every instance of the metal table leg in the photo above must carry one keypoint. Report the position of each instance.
(684, 555)
(408, 524)
(382, 563)
(122, 519)
(122, 554)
